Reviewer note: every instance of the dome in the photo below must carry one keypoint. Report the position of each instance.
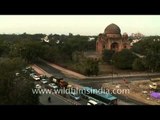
(125, 34)
(112, 29)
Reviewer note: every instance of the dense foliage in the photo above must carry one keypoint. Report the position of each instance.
(123, 59)
(150, 48)
(15, 90)
(107, 55)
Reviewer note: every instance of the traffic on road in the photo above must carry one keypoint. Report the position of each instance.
(73, 97)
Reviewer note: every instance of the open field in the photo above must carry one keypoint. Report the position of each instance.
(138, 90)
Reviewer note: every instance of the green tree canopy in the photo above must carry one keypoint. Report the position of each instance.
(139, 64)
(123, 59)
(15, 90)
(107, 55)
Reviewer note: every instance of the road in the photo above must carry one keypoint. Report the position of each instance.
(94, 84)
(56, 98)
(76, 75)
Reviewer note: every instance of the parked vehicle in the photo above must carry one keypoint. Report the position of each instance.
(32, 74)
(59, 82)
(53, 85)
(62, 84)
(17, 73)
(24, 70)
(54, 80)
(44, 81)
(35, 77)
(43, 77)
(38, 86)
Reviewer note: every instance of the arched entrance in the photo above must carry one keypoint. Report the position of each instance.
(125, 45)
(114, 46)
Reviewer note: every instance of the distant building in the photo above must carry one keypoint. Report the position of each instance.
(112, 39)
(137, 35)
(134, 41)
(45, 39)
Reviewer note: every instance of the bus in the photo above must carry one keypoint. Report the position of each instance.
(100, 96)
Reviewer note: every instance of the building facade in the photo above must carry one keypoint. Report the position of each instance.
(112, 39)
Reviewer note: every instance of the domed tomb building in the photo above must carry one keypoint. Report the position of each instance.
(112, 39)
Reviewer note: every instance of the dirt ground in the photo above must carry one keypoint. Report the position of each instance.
(138, 90)
(106, 69)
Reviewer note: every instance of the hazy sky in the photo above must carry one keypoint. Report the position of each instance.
(78, 24)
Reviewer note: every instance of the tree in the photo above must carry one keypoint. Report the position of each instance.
(138, 64)
(32, 51)
(107, 55)
(89, 67)
(4, 48)
(15, 89)
(153, 57)
(123, 59)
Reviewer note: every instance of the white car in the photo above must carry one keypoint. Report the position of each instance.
(44, 81)
(38, 86)
(53, 85)
(32, 74)
(92, 102)
(35, 77)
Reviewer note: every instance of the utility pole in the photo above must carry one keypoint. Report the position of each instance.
(112, 70)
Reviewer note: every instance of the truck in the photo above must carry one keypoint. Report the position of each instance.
(60, 82)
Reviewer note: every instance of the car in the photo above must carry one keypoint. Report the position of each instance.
(28, 67)
(92, 102)
(35, 77)
(38, 86)
(75, 96)
(32, 74)
(43, 76)
(24, 70)
(17, 73)
(44, 81)
(53, 85)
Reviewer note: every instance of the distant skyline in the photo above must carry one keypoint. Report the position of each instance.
(78, 24)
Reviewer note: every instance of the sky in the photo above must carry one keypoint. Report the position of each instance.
(78, 24)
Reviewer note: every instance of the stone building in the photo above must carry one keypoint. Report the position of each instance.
(112, 39)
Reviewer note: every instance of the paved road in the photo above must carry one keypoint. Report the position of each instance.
(55, 100)
(80, 76)
(57, 73)
(61, 100)
(94, 84)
